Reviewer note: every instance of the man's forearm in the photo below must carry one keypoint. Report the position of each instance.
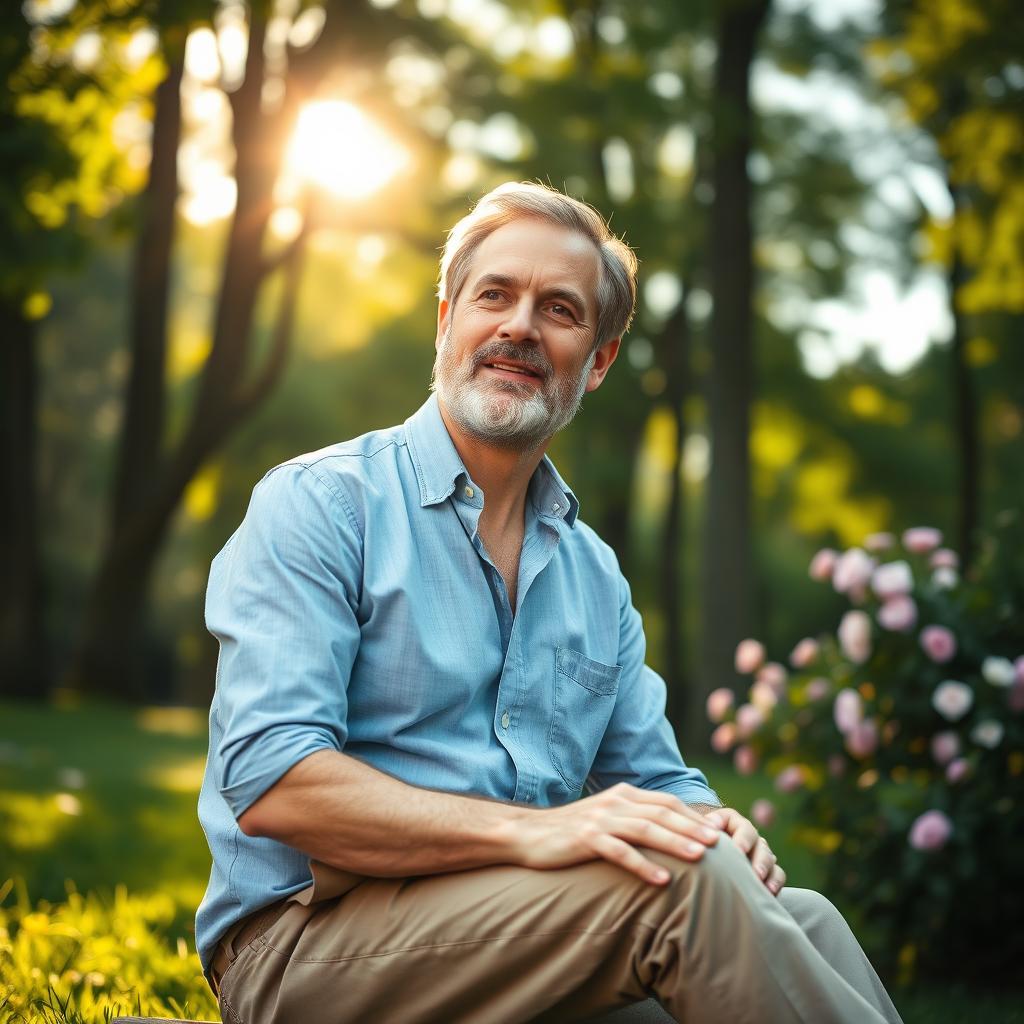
(341, 811)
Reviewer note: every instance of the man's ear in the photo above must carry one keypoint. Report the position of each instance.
(603, 359)
(443, 309)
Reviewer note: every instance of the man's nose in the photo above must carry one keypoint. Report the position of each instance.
(520, 324)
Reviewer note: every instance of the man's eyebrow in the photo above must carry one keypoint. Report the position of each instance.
(506, 281)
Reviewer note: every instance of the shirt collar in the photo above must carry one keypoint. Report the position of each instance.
(438, 467)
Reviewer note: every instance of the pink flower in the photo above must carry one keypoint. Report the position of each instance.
(879, 541)
(762, 813)
(817, 688)
(848, 710)
(823, 564)
(945, 746)
(804, 653)
(774, 675)
(931, 831)
(957, 770)
(862, 739)
(944, 558)
(749, 656)
(836, 765)
(745, 760)
(855, 636)
(1018, 666)
(762, 696)
(718, 703)
(921, 539)
(892, 579)
(790, 779)
(748, 720)
(898, 613)
(938, 643)
(723, 738)
(952, 699)
(853, 571)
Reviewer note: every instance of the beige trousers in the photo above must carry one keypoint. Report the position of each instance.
(505, 944)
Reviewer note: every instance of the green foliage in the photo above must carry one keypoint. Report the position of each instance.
(916, 803)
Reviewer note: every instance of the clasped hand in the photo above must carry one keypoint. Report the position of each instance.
(612, 825)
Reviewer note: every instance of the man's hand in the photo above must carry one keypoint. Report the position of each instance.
(747, 838)
(611, 825)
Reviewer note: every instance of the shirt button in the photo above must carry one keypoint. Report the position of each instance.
(469, 492)
(505, 719)
(555, 507)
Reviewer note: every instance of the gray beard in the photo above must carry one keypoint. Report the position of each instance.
(503, 413)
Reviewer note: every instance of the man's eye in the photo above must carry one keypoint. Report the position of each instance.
(559, 310)
(491, 295)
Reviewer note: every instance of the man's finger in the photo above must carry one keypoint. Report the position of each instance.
(647, 833)
(776, 880)
(617, 851)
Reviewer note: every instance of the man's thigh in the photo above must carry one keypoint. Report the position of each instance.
(496, 944)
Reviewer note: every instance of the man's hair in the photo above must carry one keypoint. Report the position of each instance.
(616, 293)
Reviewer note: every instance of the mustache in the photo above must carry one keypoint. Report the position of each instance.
(501, 351)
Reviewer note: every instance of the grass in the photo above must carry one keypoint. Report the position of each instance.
(106, 863)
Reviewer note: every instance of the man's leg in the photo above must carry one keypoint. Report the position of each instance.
(505, 944)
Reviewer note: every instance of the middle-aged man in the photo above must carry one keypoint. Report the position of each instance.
(426, 658)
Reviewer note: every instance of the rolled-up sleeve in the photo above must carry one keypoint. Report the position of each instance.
(282, 602)
(639, 746)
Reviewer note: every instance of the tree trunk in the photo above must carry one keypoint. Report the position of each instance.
(726, 571)
(111, 658)
(966, 416)
(24, 662)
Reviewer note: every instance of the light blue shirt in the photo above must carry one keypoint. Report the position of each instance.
(357, 610)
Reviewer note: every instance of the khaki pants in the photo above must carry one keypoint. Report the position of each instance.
(505, 944)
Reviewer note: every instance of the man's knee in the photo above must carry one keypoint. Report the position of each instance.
(815, 913)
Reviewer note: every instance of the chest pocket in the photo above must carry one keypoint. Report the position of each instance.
(584, 696)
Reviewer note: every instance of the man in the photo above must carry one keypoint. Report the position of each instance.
(426, 657)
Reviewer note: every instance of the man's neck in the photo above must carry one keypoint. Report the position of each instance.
(503, 473)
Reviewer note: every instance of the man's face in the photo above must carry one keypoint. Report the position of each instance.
(514, 351)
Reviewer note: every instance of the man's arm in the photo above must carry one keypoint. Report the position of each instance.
(354, 817)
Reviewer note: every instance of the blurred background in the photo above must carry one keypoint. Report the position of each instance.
(220, 230)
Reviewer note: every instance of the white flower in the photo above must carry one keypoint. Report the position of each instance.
(853, 571)
(952, 699)
(988, 734)
(999, 671)
(945, 578)
(892, 579)
(855, 636)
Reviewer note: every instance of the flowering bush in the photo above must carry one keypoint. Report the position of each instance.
(901, 737)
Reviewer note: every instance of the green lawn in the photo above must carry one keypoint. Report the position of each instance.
(98, 830)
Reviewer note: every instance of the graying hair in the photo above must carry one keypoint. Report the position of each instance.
(616, 292)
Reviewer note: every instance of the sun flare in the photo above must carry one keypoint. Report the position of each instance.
(337, 147)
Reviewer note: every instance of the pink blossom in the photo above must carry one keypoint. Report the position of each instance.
(931, 831)
(718, 703)
(790, 779)
(823, 564)
(745, 760)
(749, 656)
(855, 636)
(938, 643)
(862, 739)
(723, 738)
(762, 813)
(853, 571)
(898, 613)
(879, 541)
(749, 719)
(945, 746)
(763, 696)
(848, 710)
(774, 675)
(921, 539)
(892, 579)
(817, 688)
(804, 653)
(1018, 666)
(957, 770)
(952, 699)
(836, 765)
(944, 558)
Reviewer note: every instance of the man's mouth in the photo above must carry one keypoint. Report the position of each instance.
(515, 369)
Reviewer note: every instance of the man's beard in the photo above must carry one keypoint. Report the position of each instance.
(503, 412)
